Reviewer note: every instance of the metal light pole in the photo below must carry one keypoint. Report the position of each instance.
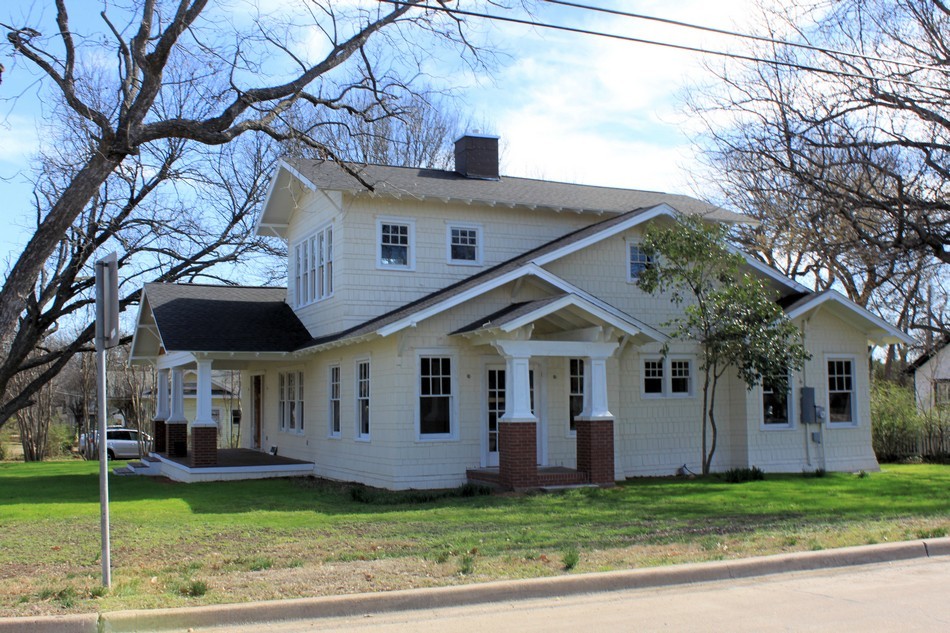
(107, 335)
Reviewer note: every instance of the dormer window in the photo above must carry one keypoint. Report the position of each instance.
(396, 239)
(313, 267)
(464, 244)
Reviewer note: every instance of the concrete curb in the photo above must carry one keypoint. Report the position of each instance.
(499, 591)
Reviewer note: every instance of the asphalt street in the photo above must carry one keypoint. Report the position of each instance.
(905, 596)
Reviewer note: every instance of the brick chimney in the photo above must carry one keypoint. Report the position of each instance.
(476, 156)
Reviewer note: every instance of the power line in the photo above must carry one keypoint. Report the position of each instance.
(749, 36)
(682, 47)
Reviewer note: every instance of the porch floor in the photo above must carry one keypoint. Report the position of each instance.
(241, 458)
(548, 476)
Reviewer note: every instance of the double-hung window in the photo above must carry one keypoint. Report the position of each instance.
(333, 398)
(776, 398)
(395, 243)
(362, 399)
(637, 261)
(667, 377)
(290, 401)
(653, 377)
(942, 394)
(435, 396)
(313, 262)
(841, 391)
(464, 244)
(576, 390)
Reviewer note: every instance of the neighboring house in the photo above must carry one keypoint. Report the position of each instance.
(444, 325)
(932, 377)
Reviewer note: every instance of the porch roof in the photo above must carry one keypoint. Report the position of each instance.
(559, 314)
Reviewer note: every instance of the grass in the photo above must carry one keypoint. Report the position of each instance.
(177, 544)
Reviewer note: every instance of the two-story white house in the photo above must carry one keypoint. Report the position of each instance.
(445, 325)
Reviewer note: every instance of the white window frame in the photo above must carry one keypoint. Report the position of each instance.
(691, 377)
(461, 226)
(285, 398)
(666, 363)
(854, 390)
(628, 260)
(789, 406)
(643, 376)
(334, 398)
(410, 225)
(453, 396)
(357, 398)
(313, 267)
(575, 389)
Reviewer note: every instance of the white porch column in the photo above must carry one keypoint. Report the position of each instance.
(595, 390)
(203, 396)
(518, 390)
(177, 414)
(161, 402)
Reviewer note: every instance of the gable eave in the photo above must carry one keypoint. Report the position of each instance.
(274, 216)
(879, 331)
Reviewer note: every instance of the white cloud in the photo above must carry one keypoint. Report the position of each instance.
(19, 140)
(597, 110)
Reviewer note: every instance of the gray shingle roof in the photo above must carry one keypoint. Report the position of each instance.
(523, 192)
(204, 318)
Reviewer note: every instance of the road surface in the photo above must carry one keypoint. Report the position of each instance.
(902, 596)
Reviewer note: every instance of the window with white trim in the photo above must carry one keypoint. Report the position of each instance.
(576, 397)
(464, 244)
(666, 377)
(362, 399)
(776, 409)
(313, 267)
(435, 396)
(333, 399)
(290, 401)
(637, 261)
(395, 243)
(841, 391)
(653, 376)
(681, 377)
(942, 394)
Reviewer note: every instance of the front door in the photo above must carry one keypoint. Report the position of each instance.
(257, 406)
(495, 408)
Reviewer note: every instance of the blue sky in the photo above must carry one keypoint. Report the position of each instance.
(566, 106)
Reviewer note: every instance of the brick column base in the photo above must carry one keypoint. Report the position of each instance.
(176, 440)
(159, 441)
(517, 454)
(595, 450)
(204, 445)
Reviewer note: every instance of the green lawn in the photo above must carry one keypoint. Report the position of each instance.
(176, 544)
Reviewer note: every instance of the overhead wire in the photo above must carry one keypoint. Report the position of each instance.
(748, 36)
(682, 47)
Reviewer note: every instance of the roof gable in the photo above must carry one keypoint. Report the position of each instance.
(878, 331)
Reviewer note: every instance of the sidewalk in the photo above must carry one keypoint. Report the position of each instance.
(361, 604)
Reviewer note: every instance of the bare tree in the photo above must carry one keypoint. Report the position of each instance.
(841, 148)
(185, 88)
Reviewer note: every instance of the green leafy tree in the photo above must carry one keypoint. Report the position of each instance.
(728, 312)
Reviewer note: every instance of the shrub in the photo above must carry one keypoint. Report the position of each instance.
(895, 422)
(739, 475)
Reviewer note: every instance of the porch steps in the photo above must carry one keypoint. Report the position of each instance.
(549, 477)
(146, 466)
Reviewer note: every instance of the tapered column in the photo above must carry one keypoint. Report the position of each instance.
(595, 426)
(176, 426)
(161, 412)
(517, 428)
(204, 430)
